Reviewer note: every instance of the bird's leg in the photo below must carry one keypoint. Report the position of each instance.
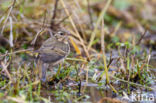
(44, 70)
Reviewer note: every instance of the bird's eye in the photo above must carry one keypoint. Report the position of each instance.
(61, 33)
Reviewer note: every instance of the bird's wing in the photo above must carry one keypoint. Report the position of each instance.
(52, 54)
(51, 57)
(60, 51)
(52, 51)
(47, 45)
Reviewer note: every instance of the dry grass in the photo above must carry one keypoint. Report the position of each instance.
(108, 49)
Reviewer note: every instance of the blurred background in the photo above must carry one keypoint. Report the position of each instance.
(127, 28)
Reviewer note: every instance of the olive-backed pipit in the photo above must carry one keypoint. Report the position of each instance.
(53, 51)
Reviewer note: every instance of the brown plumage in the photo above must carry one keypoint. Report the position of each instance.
(53, 51)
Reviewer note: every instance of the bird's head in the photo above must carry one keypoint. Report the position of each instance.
(62, 36)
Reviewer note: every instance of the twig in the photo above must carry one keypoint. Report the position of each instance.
(11, 33)
(104, 58)
(44, 20)
(103, 54)
(38, 33)
(89, 12)
(98, 23)
(142, 36)
(126, 51)
(63, 20)
(12, 6)
(110, 60)
(41, 31)
(131, 83)
(19, 51)
(4, 66)
(75, 29)
(54, 14)
(79, 88)
(75, 59)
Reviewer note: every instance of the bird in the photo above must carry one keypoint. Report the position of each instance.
(53, 51)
